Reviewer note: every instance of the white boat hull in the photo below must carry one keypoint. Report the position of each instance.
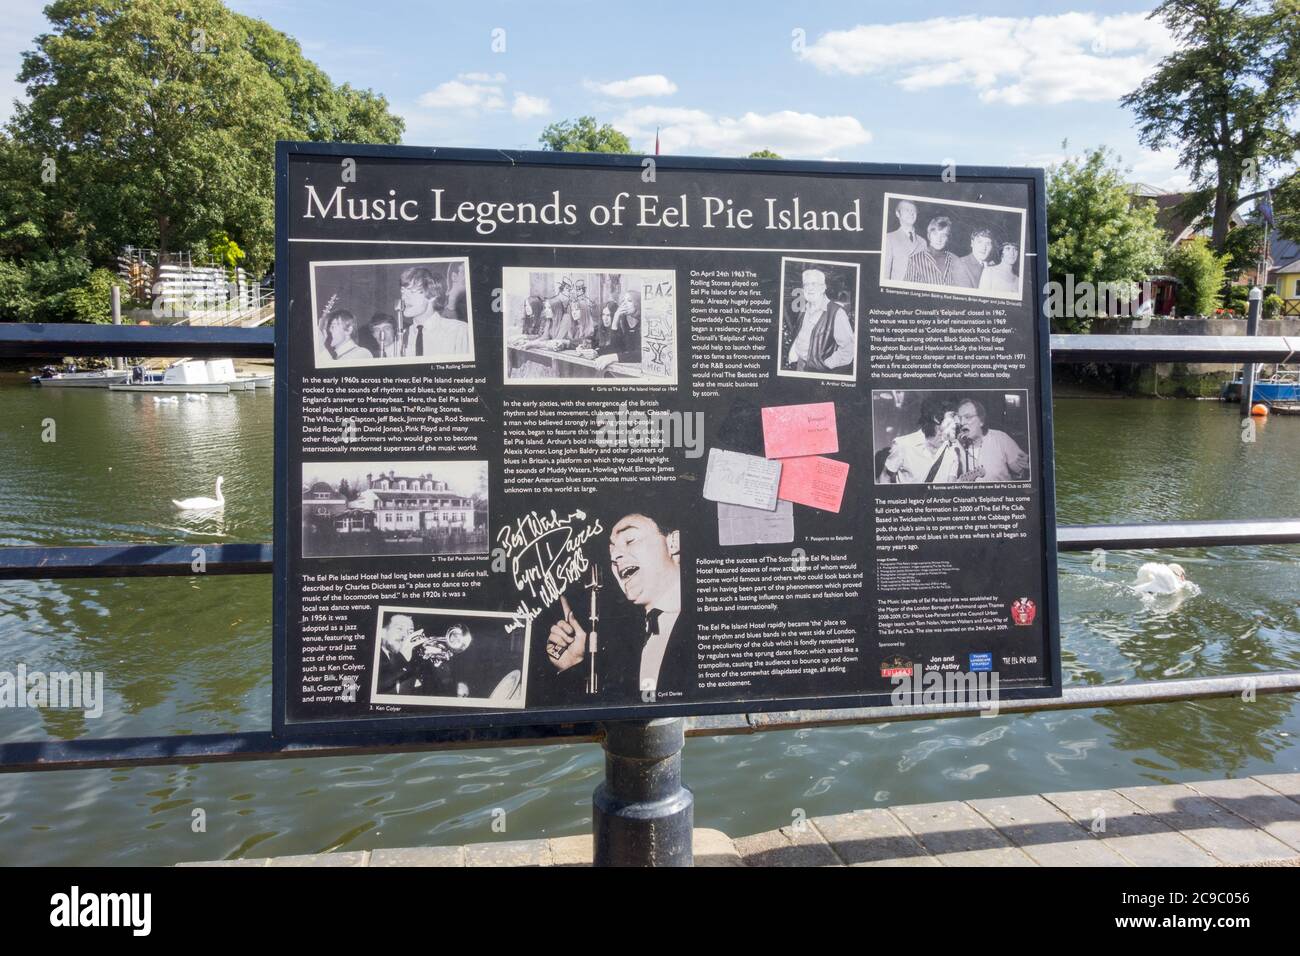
(219, 387)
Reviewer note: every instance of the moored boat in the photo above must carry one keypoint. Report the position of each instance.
(1282, 386)
(187, 375)
(72, 377)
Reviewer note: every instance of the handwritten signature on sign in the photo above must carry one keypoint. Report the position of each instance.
(545, 552)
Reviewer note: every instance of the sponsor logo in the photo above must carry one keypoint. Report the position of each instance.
(896, 667)
(1023, 611)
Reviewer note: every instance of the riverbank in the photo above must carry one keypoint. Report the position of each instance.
(1253, 821)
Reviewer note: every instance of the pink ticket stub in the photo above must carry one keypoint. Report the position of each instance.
(793, 431)
(816, 482)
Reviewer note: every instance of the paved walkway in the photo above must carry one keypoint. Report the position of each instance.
(1247, 822)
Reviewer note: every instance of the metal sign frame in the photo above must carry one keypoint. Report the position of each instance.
(379, 727)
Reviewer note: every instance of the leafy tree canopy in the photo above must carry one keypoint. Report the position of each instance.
(161, 116)
(1226, 96)
(583, 135)
(1096, 232)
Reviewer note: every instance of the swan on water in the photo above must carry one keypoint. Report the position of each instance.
(1156, 578)
(196, 504)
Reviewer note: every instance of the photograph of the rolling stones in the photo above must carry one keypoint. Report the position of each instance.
(590, 326)
(945, 436)
(819, 320)
(379, 508)
(441, 657)
(391, 312)
(952, 246)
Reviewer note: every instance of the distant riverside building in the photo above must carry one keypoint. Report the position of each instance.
(391, 504)
(1284, 274)
(413, 504)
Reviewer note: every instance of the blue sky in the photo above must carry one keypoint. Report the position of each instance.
(989, 83)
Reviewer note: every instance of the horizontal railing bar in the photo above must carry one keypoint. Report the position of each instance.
(169, 560)
(1178, 534)
(1173, 348)
(134, 560)
(261, 745)
(146, 341)
(1072, 698)
(74, 339)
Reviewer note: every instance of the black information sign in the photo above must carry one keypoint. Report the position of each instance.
(564, 437)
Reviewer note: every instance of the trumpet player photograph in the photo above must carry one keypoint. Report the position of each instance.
(438, 657)
(928, 436)
(420, 312)
(643, 653)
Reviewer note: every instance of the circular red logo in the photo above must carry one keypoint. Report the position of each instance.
(1023, 611)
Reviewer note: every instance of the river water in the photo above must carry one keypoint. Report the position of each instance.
(193, 655)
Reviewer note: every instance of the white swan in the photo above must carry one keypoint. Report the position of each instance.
(197, 504)
(1156, 578)
(160, 400)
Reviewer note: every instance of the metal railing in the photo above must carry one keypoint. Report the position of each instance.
(154, 560)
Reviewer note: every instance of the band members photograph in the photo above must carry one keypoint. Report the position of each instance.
(818, 332)
(438, 657)
(643, 652)
(391, 312)
(372, 508)
(576, 327)
(947, 437)
(952, 246)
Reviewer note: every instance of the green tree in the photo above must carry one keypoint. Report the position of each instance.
(42, 245)
(1286, 207)
(1244, 247)
(91, 299)
(162, 116)
(1200, 273)
(763, 154)
(1096, 234)
(584, 136)
(225, 251)
(1224, 99)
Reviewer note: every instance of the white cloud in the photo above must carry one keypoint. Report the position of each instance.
(1013, 60)
(527, 106)
(469, 91)
(478, 93)
(652, 84)
(696, 131)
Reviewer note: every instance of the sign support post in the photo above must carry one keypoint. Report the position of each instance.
(642, 815)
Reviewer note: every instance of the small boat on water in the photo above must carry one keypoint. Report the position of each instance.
(70, 376)
(1283, 386)
(187, 375)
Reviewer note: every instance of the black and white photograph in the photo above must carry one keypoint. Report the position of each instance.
(391, 312)
(819, 320)
(936, 436)
(440, 657)
(620, 635)
(590, 326)
(373, 509)
(952, 246)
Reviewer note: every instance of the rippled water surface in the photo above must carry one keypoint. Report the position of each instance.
(192, 655)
